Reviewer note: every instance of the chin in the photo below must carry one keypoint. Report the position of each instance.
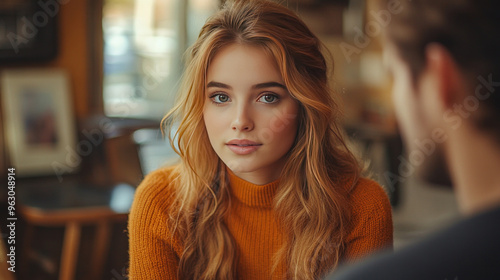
(240, 165)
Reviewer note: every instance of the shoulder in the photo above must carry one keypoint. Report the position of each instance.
(470, 249)
(367, 196)
(155, 193)
(150, 210)
(157, 184)
(370, 223)
(154, 244)
(160, 176)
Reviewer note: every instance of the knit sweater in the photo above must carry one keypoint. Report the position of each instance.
(155, 252)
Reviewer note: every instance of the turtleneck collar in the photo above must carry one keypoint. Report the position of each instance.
(251, 194)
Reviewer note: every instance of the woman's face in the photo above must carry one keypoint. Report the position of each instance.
(250, 117)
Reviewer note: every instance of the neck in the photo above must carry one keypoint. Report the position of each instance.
(261, 175)
(257, 177)
(474, 159)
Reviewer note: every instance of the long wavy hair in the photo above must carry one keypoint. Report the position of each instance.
(311, 201)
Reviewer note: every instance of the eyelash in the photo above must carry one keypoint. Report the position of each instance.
(214, 96)
(276, 98)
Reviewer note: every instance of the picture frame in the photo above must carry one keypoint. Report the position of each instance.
(38, 118)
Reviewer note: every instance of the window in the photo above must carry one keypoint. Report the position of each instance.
(144, 42)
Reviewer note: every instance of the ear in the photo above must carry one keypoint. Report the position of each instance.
(446, 75)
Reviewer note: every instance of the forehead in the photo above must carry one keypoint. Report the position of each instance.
(239, 62)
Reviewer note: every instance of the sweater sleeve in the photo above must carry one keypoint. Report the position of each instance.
(153, 250)
(371, 223)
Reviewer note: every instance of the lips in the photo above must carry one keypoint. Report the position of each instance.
(243, 146)
(242, 142)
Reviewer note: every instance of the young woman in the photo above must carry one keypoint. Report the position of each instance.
(265, 188)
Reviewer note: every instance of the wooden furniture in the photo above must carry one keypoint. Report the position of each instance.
(153, 149)
(73, 205)
(118, 150)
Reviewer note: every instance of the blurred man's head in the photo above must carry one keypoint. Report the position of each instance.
(445, 59)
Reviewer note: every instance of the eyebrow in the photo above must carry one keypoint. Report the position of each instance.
(268, 85)
(257, 86)
(219, 85)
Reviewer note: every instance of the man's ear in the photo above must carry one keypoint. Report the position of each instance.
(447, 75)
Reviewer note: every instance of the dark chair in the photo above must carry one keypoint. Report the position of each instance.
(73, 205)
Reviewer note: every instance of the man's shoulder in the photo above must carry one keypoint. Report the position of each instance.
(468, 250)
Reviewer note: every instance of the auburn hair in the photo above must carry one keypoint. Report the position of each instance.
(311, 202)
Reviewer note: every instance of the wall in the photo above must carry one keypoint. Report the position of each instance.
(73, 56)
(73, 52)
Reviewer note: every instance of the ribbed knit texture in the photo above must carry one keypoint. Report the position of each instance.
(155, 253)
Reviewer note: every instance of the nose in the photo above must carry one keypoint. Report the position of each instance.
(243, 120)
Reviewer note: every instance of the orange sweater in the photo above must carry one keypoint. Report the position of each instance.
(154, 254)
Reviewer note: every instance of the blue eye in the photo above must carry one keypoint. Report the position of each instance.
(219, 98)
(269, 98)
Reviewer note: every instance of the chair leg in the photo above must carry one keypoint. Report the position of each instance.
(70, 248)
(100, 250)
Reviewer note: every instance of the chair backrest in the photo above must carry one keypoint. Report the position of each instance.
(154, 149)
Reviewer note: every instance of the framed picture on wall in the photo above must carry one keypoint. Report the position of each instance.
(39, 122)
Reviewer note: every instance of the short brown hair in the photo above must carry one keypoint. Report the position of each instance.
(468, 29)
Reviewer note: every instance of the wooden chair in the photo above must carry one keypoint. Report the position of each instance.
(72, 206)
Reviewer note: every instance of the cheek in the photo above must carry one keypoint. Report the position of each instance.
(213, 128)
(283, 124)
(399, 92)
(403, 99)
(207, 118)
(407, 109)
(212, 122)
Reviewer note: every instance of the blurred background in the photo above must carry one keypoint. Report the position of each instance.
(84, 85)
